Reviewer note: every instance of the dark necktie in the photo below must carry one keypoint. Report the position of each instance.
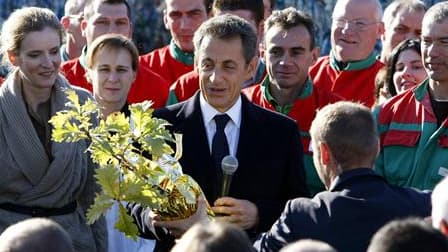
(220, 147)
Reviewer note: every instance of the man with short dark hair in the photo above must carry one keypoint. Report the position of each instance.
(358, 201)
(288, 50)
(250, 10)
(114, 16)
(182, 18)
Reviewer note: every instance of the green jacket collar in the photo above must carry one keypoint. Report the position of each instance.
(421, 91)
(185, 57)
(354, 65)
(305, 93)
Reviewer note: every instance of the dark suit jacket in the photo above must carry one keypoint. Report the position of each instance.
(269, 153)
(356, 206)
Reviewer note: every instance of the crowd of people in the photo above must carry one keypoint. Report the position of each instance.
(336, 111)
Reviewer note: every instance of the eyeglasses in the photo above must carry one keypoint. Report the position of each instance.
(356, 24)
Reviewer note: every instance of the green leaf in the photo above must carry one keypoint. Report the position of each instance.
(126, 224)
(108, 177)
(117, 122)
(100, 206)
(134, 158)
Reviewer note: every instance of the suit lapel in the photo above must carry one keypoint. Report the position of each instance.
(198, 161)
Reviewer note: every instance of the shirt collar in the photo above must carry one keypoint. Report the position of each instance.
(208, 112)
(353, 65)
(185, 57)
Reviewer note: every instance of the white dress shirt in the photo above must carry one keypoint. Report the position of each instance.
(232, 129)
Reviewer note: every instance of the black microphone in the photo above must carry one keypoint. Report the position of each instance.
(229, 164)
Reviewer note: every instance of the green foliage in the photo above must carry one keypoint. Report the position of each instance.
(134, 161)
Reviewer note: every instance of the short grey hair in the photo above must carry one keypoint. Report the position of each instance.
(437, 13)
(228, 27)
(378, 8)
(349, 130)
(393, 8)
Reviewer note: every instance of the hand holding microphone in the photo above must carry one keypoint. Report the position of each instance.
(229, 165)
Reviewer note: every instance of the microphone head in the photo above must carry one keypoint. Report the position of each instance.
(229, 164)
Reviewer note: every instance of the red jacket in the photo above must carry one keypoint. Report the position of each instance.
(187, 85)
(147, 85)
(352, 85)
(302, 111)
(162, 62)
(184, 87)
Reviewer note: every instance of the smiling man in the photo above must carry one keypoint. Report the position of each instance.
(350, 69)
(288, 51)
(270, 157)
(413, 125)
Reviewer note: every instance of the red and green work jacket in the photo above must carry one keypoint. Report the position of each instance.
(188, 84)
(303, 111)
(147, 85)
(353, 82)
(183, 88)
(170, 62)
(414, 150)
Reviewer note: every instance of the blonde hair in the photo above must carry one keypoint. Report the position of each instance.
(112, 42)
(24, 21)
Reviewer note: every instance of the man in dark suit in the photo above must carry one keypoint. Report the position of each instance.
(358, 201)
(265, 143)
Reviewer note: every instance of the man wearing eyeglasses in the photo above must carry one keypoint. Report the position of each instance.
(350, 69)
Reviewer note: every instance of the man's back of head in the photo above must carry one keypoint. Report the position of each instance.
(439, 199)
(308, 245)
(348, 130)
(214, 237)
(35, 235)
(408, 235)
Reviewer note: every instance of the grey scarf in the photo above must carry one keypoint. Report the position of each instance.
(42, 182)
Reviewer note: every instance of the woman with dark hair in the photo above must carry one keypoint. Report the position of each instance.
(405, 67)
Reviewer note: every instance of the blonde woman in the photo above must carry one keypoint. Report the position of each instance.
(112, 62)
(41, 178)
